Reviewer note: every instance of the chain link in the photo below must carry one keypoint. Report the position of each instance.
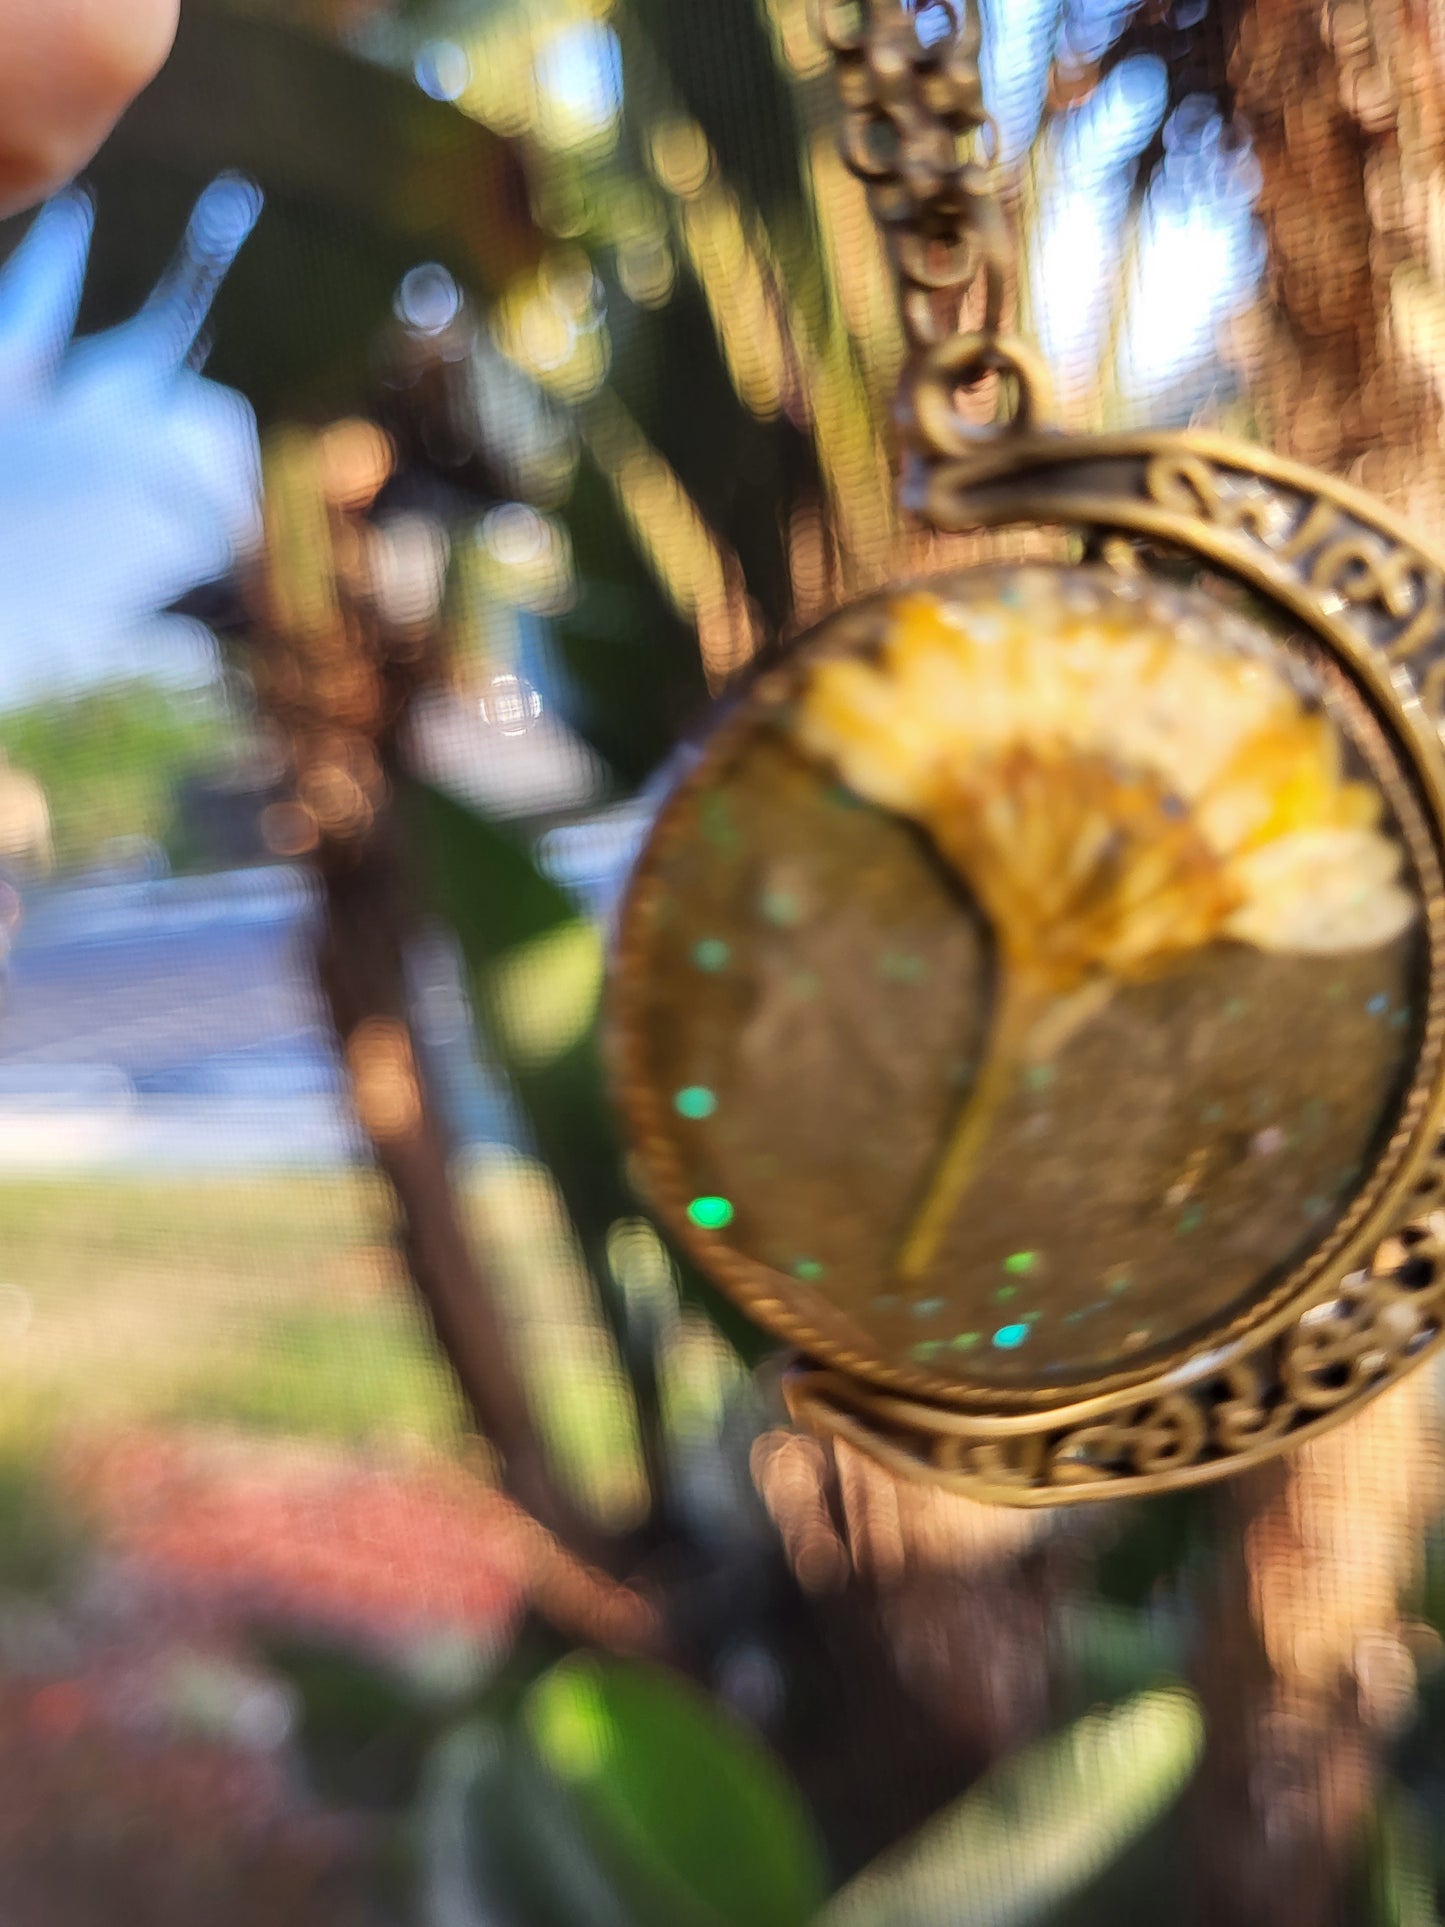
(913, 115)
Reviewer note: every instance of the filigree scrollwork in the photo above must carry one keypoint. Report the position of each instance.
(1363, 1306)
(1347, 1346)
(1344, 562)
(1015, 1462)
(1299, 537)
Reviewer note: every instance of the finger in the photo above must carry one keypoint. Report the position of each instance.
(163, 335)
(175, 311)
(68, 70)
(40, 287)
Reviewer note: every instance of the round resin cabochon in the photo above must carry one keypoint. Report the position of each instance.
(1025, 980)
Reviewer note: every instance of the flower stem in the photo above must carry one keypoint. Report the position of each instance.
(1021, 1003)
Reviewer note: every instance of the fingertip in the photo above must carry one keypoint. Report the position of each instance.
(124, 43)
(68, 71)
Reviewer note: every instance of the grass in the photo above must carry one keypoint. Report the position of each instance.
(348, 1376)
(274, 1302)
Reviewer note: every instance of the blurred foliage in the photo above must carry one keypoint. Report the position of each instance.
(1110, 1651)
(109, 761)
(634, 677)
(616, 1794)
(1038, 1827)
(41, 1541)
(367, 1722)
(363, 177)
(1403, 1874)
(536, 969)
(1155, 1546)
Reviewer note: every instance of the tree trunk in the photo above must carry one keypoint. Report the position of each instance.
(1303, 1670)
(906, 1586)
(335, 679)
(1345, 358)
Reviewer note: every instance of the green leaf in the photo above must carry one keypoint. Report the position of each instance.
(1038, 1827)
(1400, 1873)
(678, 1800)
(615, 1795)
(1154, 1546)
(1111, 1651)
(501, 1841)
(1432, 1584)
(634, 681)
(364, 1729)
(535, 970)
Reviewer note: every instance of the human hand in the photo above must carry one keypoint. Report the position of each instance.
(68, 70)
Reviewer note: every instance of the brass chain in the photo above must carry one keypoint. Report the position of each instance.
(913, 119)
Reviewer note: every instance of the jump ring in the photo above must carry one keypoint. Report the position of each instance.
(937, 427)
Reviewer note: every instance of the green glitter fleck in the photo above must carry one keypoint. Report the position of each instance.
(1038, 1077)
(781, 908)
(1020, 1263)
(927, 1348)
(805, 984)
(1192, 1218)
(1004, 1293)
(1032, 1317)
(1235, 1007)
(1008, 1337)
(1399, 1019)
(964, 1342)
(1119, 1279)
(808, 1269)
(1073, 1317)
(1212, 1113)
(900, 967)
(695, 1101)
(712, 1214)
(926, 1307)
(1316, 1207)
(1336, 992)
(711, 953)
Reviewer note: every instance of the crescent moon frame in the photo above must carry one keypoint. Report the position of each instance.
(1349, 573)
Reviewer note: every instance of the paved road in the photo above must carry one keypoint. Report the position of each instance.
(174, 1023)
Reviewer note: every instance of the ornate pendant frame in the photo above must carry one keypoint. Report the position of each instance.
(1372, 1304)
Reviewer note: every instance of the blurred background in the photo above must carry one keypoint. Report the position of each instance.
(391, 1529)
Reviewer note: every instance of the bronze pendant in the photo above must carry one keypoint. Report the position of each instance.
(1030, 1002)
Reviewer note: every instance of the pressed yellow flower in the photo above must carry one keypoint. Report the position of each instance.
(1115, 791)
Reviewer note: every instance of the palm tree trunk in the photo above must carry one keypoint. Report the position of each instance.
(1302, 1666)
(1345, 359)
(1303, 1671)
